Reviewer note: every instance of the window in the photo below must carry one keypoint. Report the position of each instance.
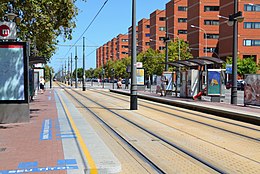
(147, 26)
(182, 20)
(209, 49)
(248, 7)
(182, 31)
(124, 40)
(161, 38)
(211, 36)
(182, 8)
(162, 29)
(161, 47)
(147, 35)
(248, 42)
(147, 43)
(124, 52)
(124, 46)
(162, 18)
(211, 8)
(252, 25)
(211, 22)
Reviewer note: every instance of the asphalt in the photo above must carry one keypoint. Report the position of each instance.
(248, 114)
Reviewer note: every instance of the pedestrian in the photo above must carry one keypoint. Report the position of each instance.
(42, 83)
(163, 85)
(119, 84)
(126, 83)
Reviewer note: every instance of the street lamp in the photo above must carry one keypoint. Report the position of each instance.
(193, 26)
(83, 83)
(166, 46)
(232, 21)
(133, 95)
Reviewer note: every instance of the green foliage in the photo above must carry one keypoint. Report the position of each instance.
(173, 50)
(152, 61)
(42, 22)
(244, 66)
(79, 73)
(47, 71)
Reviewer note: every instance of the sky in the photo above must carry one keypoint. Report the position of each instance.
(115, 18)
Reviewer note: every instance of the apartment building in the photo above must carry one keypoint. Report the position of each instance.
(122, 46)
(203, 27)
(176, 15)
(157, 30)
(130, 39)
(113, 49)
(143, 41)
(99, 57)
(248, 36)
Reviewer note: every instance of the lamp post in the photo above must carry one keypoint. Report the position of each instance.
(83, 83)
(166, 46)
(69, 71)
(71, 84)
(65, 72)
(76, 71)
(133, 97)
(232, 21)
(193, 26)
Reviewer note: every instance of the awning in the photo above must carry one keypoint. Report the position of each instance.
(212, 59)
(36, 60)
(201, 61)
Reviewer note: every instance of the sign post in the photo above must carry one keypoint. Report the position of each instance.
(7, 31)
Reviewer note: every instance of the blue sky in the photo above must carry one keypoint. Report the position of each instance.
(115, 18)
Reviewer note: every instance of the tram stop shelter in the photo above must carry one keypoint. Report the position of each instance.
(191, 75)
(17, 82)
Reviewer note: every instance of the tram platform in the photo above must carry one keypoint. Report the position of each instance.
(57, 139)
(249, 114)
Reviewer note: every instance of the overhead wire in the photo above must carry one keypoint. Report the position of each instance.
(87, 27)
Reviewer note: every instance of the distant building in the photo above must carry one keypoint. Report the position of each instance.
(122, 46)
(248, 30)
(157, 30)
(130, 39)
(203, 37)
(176, 15)
(143, 41)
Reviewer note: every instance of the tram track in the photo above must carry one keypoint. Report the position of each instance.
(257, 139)
(176, 146)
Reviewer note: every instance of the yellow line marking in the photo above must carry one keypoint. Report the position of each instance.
(92, 165)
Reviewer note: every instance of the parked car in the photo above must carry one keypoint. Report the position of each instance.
(240, 84)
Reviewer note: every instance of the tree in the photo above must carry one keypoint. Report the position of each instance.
(173, 50)
(152, 61)
(244, 66)
(47, 71)
(79, 73)
(42, 22)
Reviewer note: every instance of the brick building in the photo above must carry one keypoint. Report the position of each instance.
(248, 36)
(203, 36)
(176, 13)
(143, 41)
(157, 30)
(122, 46)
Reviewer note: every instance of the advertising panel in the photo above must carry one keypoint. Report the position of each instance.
(252, 89)
(140, 76)
(214, 82)
(14, 74)
(169, 85)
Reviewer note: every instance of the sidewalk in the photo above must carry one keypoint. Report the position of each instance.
(250, 114)
(57, 139)
(23, 147)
